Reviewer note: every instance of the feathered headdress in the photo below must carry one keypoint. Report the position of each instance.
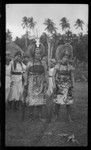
(32, 49)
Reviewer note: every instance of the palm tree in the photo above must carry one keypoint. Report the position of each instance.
(43, 39)
(25, 24)
(50, 26)
(69, 36)
(32, 23)
(64, 23)
(28, 23)
(8, 35)
(79, 24)
(87, 28)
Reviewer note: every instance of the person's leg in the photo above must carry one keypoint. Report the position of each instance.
(19, 105)
(14, 104)
(39, 111)
(23, 110)
(57, 109)
(50, 110)
(7, 106)
(31, 111)
(11, 104)
(50, 113)
(68, 112)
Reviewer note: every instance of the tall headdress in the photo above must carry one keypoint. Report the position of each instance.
(38, 49)
(60, 52)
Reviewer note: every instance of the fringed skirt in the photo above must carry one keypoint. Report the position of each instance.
(35, 92)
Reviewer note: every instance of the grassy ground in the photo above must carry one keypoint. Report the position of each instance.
(37, 133)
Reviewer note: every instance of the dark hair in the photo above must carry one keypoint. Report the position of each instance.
(15, 63)
(18, 53)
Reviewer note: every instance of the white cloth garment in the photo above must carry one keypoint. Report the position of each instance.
(7, 81)
(17, 86)
(50, 88)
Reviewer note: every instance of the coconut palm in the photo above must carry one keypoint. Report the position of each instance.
(79, 24)
(8, 35)
(25, 24)
(50, 26)
(28, 23)
(69, 36)
(32, 23)
(87, 28)
(64, 23)
(43, 40)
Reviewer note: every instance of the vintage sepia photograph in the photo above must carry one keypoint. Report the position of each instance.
(46, 77)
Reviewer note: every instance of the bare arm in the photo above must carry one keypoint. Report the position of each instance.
(53, 77)
(26, 74)
(72, 78)
(72, 74)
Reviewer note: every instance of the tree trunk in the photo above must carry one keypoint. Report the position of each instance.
(48, 42)
(26, 39)
(49, 54)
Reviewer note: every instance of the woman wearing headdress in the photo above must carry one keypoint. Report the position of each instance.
(35, 81)
(17, 81)
(7, 78)
(63, 79)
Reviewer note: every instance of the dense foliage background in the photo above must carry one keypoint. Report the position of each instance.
(78, 41)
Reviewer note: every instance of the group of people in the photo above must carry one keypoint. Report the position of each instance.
(34, 84)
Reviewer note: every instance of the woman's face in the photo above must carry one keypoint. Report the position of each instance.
(66, 57)
(19, 58)
(52, 65)
(26, 60)
(37, 56)
(7, 61)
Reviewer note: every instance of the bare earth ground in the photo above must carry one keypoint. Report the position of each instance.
(37, 133)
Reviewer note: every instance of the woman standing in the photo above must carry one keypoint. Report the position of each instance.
(16, 89)
(63, 78)
(35, 83)
(7, 79)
